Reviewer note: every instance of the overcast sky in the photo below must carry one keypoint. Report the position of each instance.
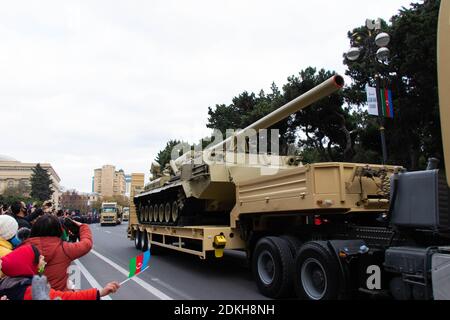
(88, 83)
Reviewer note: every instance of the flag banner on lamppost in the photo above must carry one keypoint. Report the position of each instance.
(372, 101)
(386, 108)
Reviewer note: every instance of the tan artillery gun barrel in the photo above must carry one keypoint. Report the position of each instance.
(444, 79)
(321, 91)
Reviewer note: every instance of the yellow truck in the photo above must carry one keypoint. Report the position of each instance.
(110, 214)
(126, 214)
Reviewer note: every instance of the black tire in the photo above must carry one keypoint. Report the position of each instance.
(294, 244)
(137, 240)
(272, 266)
(316, 275)
(144, 241)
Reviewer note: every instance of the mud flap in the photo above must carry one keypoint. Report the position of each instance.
(347, 252)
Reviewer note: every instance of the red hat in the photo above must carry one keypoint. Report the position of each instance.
(23, 261)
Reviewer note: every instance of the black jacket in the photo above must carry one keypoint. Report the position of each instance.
(25, 222)
(14, 288)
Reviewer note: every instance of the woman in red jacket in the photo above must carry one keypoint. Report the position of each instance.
(46, 235)
(23, 263)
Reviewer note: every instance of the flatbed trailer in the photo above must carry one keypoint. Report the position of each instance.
(195, 240)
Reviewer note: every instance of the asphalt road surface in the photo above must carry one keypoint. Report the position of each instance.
(172, 276)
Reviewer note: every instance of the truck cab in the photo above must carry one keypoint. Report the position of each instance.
(110, 214)
(126, 214)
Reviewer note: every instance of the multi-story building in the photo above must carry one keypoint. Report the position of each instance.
(137, 186)
(14, 173)
(92, 198)
(127, 184)
(108, 182)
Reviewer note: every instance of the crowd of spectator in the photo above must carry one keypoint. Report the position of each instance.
(37, 245)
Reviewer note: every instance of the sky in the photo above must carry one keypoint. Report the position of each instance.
(89, 83)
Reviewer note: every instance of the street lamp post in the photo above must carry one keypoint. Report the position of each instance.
(368, 43)
(381, 121)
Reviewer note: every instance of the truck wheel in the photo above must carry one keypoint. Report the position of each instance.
(137, 240)
(293, 242)
(316, 273)
(144, 241)
(273, 267)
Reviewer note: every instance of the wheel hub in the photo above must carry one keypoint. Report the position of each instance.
(266, 267)
(314, 279)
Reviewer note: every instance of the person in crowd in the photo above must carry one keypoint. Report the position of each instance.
(4, 209)
(23, 234)
(48, 207)
(19, 211)
(46, 235)
(61, 217)
(21, 265)
(8, 230)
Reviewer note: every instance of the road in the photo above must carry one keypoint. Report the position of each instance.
(174, 275)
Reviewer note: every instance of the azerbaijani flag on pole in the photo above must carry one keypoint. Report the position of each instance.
(139, 264)
(387, 107)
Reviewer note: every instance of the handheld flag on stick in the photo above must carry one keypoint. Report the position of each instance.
(138, 265)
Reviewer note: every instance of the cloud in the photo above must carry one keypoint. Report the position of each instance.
(87, 83)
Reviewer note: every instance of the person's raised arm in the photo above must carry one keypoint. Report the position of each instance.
(78, 249)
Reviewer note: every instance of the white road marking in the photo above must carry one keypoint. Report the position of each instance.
(90, 278)
(108, 232)
(142, 283)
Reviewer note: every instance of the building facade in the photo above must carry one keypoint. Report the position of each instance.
(127, 184)
(108, 182)
(137, 186)
(14, 174)
(74, 200)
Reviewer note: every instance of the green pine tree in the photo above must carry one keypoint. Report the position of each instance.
(165, 155)
(41, 184)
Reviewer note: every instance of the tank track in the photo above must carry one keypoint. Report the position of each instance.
(171, 208)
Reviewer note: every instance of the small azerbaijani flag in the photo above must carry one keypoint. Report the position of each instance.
(387, 107)
(139, 264)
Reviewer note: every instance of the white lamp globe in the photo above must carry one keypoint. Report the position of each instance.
(383, 54)
(353, 54)
(382, 40)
